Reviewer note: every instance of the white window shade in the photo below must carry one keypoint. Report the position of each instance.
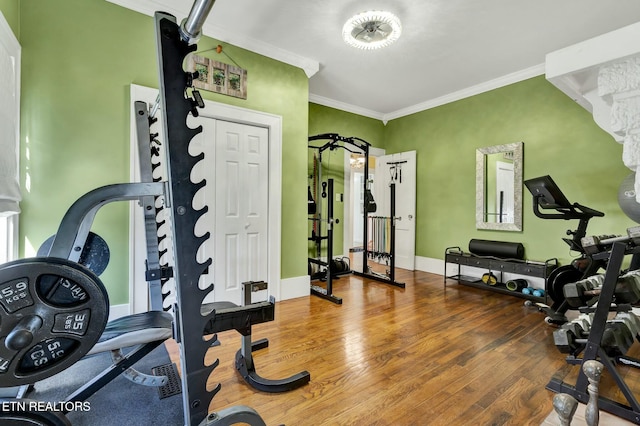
(9, 120)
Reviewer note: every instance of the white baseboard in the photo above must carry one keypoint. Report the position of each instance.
(290, 288)
(118, 311)
(429, 264)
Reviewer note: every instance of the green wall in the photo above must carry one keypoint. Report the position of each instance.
(11, 11)
(323, 119)
(79, 58)
(560, 139)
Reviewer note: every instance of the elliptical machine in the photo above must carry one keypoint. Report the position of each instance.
(547, 196)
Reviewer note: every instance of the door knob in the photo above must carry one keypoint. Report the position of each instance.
(410, 216)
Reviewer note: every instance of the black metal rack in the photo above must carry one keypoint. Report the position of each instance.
(329, 273)
(353, 144)
(499, 266)
(593, 349)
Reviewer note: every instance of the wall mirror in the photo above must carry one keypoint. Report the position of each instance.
(499, 187)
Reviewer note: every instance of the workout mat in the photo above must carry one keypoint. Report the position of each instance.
(121, 402)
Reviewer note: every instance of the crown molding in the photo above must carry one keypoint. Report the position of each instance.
(496, 83)
(321, 100)
(311, 67)
(149, 7)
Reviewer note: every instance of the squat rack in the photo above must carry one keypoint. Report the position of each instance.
(357, 145)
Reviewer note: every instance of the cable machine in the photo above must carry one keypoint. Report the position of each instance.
(384, 228)
(353, 145)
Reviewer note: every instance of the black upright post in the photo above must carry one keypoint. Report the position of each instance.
(154, 272)
(392, 255)
(365, 234)
(319, 203)
(327, 293)
(330, 237)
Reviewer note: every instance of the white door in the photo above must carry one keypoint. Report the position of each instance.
(504, 192)
(241, 208)
(257, 188)
(236, 168)
(399, 169)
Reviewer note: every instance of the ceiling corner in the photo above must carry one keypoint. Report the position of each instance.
(321, 100)
(149, 7)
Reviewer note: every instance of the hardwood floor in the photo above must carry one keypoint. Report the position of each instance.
(421, 355)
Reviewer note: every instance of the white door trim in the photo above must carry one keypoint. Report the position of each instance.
(235, 114)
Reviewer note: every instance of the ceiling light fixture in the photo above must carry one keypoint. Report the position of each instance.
(371, 30)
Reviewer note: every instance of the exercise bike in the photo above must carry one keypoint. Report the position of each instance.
(548, 196)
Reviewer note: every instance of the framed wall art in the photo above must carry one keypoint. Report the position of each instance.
(218, 77)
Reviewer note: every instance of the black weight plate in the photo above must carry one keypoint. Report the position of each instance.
(95, 253)
(24, 412)
(559, 278)
(52, 312)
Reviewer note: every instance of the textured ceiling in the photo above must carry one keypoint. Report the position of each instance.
(448, 47)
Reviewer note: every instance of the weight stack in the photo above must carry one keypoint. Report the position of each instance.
(500, 249)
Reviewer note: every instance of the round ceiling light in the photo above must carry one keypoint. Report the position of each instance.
(372, 30)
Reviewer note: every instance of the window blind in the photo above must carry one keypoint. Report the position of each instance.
(10, 195)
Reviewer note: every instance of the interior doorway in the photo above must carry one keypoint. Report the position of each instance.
(216, 113)
(357, 212)
(354, 196)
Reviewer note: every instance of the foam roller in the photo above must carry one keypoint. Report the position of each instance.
(501, 249)
(516, 285)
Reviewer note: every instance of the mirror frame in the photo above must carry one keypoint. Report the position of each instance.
(481, 165)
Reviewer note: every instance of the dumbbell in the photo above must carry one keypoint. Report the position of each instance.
(582, 293)
(628, 288)
(585, 321)
(632, 321)
(596, 243)
(590, 244)
(532, 291)
(616, 338)
(567, 337)
(634, 234)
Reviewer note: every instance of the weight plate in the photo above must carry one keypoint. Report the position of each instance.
(95, 253)
(559, 278)
(24, 412)
(52, 312)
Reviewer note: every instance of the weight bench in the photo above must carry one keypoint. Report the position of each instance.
(144, 331)
(229, 316)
